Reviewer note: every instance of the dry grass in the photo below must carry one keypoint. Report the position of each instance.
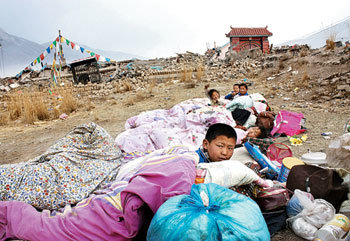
(153, 83)
(186, 75)
(41, 109)
(69, 103)
(200, 72)
(305, 77)
(28, 112)
(15, 107)
(28, 106)
(56, 113)
(127, 85)
(4, 118)
(330, 42)
(116, 88)
(303, 53)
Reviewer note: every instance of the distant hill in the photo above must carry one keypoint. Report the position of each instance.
(16, 53)
(340, 30)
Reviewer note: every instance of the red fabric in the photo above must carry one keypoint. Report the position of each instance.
(42, 56)
(72, 44)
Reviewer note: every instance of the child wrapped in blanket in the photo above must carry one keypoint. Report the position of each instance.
(218, 146)
(213, 95)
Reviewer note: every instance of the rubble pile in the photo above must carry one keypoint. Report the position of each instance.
(312, 74)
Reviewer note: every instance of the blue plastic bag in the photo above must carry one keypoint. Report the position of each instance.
(210, 212)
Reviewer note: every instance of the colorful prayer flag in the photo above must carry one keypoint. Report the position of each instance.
(72, 45)
(48, 50)
(55, 43)
(38, 60)
(67, 42)
(82, 49)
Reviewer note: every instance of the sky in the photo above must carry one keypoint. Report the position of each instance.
(162, 28)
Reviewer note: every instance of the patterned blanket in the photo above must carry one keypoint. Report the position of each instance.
(66, 173)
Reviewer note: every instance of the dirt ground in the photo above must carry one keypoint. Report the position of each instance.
(20, 142)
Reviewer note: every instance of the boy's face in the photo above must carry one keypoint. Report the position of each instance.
(242, 90)
(215, 96)
(220, 149)
(235, 89)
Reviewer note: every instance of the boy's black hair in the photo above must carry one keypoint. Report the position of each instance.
(220, 129)
(246, 86)
(211, 91)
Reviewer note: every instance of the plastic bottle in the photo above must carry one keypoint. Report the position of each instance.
(335, 229)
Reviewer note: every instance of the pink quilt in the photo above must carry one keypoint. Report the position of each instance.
(184, 124)
(117, 213)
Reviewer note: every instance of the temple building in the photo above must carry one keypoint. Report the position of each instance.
(249, 38)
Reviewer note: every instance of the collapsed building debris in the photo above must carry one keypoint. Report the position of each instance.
(284, 69)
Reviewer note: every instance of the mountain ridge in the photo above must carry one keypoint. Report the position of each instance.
(340, 31)
(16, 53)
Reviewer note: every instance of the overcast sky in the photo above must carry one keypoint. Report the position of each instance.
(160, 28)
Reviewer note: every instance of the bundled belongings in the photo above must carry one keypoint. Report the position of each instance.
(183, 124)
(210, 212)
(273, 168)
(310, 214)
(289, 123)
(66, 173)
(272, 202)
(116, 212)
(322, 183)
(272, 198)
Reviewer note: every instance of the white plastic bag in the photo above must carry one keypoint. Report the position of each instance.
(302, 228)
(295, 205)
(228, 173)
(321, 213)
(314, 214)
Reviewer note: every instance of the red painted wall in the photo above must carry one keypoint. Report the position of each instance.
(243, 43)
